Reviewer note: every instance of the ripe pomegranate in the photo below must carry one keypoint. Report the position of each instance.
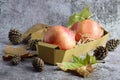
(87, 28)
(61, 36)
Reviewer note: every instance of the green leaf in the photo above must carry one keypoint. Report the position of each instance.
(93, 60)
(70, 65)
(90, 60)
(84, 14)
(77, 62)
(77, 59)
(86, 60)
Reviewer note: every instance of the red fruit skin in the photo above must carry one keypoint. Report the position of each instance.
(74, 26)
(88, 27)
(60, 36)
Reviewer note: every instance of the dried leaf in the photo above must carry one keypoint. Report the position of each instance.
(10, 51)
(20, 50)
(8, 57)
(38, 34)
(35, 28)
(85, 71)
(26, 40)
(79, 65)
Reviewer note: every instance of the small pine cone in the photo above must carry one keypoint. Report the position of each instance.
(100, 53)
(38, 64)
(15, 60)
(15, 36)
(112, 44)
(32, 44)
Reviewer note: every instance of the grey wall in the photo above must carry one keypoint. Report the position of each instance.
(22, 14)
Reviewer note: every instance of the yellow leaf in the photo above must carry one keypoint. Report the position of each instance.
(19, 50)
(61, 66)
(85, 71)
(34, 29)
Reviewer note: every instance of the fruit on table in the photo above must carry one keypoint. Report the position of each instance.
(61, 36)
(87, 28)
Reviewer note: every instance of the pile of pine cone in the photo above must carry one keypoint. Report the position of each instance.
(101, 52)
(15, 37)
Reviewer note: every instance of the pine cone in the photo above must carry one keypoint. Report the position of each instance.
(112, 44)
(15, 36)
(15, 60)
(32, 44)
(38, 64)
(100, 53)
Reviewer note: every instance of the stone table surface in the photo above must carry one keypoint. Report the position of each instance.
(22, 14)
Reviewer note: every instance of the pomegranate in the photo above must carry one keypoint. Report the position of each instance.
(87, 29)
(61, 36)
